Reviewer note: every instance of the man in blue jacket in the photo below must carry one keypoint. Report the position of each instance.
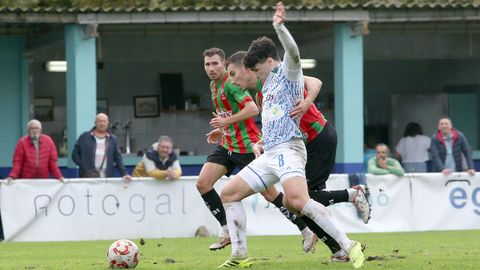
(447, 147)
(96, 151)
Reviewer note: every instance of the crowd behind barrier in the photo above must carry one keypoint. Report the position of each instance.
(111, 208)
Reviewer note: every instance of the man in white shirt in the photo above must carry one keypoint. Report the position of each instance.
(96, 152)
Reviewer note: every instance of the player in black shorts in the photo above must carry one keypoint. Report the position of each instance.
(321, 145)
(235, 133)
(230, 160)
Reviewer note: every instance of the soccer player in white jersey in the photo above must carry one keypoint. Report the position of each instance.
(284, 155)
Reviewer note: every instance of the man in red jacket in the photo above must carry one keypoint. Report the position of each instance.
(35, 155)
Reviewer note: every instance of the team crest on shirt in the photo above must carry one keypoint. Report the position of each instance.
(224, 114)
(221, 92)
(273, 113)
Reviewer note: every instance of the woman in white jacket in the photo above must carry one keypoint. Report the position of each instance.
(413, 148)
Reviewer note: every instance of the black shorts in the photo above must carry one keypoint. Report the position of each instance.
(321, 157)
(230, 160)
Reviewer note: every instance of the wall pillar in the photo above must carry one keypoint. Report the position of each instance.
(81, 84)
(14, 96)
(348, 67)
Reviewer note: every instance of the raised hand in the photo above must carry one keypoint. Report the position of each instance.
(280, 14)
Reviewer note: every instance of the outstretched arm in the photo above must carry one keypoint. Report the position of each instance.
(291, 59)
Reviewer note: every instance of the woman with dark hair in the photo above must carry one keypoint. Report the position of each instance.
(413, 148)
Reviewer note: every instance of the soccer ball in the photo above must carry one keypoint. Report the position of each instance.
(123, 254)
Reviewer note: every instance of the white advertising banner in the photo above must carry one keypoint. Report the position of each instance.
(87, 209)
(446, 202)
(389, 197)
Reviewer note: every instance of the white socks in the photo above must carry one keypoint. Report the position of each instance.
(237, 225)
(306, 232)
(323, 217)
(225, 229)
(351, 194)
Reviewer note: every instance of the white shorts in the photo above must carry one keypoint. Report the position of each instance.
(278, 163)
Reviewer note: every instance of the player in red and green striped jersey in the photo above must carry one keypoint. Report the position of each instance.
(235, 132)
(321, 144)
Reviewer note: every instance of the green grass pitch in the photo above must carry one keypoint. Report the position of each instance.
(413, 250)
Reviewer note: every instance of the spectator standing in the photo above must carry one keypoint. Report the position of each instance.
(159, 161)
(382, 164)
(448, 145)
(413, 148)
(96, 151)
(35, 155)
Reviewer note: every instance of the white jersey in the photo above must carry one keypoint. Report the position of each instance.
(279, 97)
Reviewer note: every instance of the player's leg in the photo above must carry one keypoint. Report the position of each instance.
(321, 153)
(297, 199)
(290, 169)
(232, 194)
(358, 195)
(320, 161)
(275, 197)
(322, 235)
(216, 166)
(209, 175)
(254, 178)
(338, 254)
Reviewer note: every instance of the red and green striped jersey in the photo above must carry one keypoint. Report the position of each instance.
(312, 122)
(228, 100)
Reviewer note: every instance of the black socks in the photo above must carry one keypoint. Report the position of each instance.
(214, 203)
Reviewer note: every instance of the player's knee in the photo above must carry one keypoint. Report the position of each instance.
(203, 185)
(296, 203)
(295, 207)
(291, 208)
(227, 195)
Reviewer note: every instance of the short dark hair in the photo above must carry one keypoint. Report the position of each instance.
(214, 51)
(236, 58)
(258, 52)
(412, 129)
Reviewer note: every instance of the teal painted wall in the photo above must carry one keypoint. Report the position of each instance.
(81, 84)
(462, 109)
(348, 66)
(11, 108)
